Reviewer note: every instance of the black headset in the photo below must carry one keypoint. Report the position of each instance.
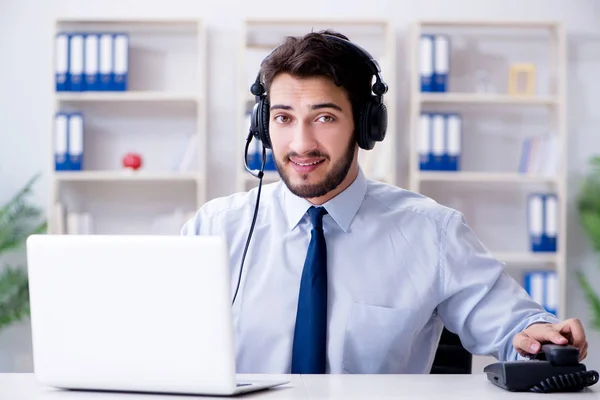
(371, 121)
(371, 126)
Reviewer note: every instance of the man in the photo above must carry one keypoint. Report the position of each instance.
(348, 275)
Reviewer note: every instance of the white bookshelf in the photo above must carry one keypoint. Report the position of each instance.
(163, 107)
(129, 96)
(116, 176)
(489, 189)
(261, 36)
(485, 98)
(481, 177)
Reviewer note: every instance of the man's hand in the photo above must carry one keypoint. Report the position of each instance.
(570, 331)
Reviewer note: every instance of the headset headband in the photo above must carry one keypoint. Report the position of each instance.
(379, 88)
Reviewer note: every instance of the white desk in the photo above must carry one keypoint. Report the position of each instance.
(371, 387)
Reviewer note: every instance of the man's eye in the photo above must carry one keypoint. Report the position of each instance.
(326, 118)
(282, 119)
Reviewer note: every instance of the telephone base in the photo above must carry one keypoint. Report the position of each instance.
(540, 376)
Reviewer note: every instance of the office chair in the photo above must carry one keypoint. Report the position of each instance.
(451, 357)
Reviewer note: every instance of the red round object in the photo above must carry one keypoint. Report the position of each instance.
(132, 160)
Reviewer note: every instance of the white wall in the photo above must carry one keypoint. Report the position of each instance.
(26, 82)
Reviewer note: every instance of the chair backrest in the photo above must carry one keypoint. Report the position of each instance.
(451, 357)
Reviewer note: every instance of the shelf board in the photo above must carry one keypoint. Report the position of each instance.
(458, 23)
(270, 176)
(527, 257)
(127, 96)
(320, 21)
(481, 177)
(151, 21)
(483, 98)
(117, 176)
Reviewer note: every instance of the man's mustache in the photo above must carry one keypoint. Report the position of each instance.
(314, 154)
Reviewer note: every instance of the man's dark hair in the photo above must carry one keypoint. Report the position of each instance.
(315, 55)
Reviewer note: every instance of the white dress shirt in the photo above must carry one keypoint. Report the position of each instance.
(400, 267)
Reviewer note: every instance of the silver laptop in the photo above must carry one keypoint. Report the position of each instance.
(133, 313)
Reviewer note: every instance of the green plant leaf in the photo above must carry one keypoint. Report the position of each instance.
(590, 222)
(592, 298)
(14, 296)
(19, 219)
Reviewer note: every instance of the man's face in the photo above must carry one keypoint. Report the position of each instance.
(311, 129)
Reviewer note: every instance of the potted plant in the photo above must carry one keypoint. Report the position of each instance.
(588, 206)
(18, 220)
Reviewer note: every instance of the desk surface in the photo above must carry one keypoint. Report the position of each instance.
(25, 387)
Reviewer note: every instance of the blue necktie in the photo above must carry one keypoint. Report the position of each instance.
(309, 349)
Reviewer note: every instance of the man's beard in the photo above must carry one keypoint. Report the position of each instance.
(332, 180)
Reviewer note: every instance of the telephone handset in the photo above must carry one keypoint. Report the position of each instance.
(555, 369)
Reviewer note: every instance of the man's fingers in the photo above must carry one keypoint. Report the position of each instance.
(575, 328)
(583, 352)
(552, 335)
(526, 344)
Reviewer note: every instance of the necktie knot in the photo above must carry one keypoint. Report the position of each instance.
(316, 216)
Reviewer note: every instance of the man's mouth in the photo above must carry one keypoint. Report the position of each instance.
(307, 164)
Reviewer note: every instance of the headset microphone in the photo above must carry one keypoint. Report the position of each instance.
(254, 172)
(258, 174)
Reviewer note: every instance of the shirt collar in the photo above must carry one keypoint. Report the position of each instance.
(342, 208)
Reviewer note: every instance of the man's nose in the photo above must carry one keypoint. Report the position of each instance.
(303, 139)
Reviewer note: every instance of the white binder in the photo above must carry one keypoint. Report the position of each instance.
(425, 142)
(61, 62)
(453, 141)
(438, 142)
(91, 67)
(441, 62)
(551, 222)
(61, 162)
(536, 222)
(106, 62)
(75, 141)
(76, 61)
(426, 63)
(121, 61)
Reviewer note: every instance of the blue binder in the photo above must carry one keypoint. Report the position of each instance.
(61, 62)
(542, 288)
(106, 62)
(61, 134)
(542, 215)
(76, 62)
(550, 233)
(425, 139)
(535, 221)
(453, 138)
(75, 141)
(426, 63)
(534, 283)
(121, 61)
(92, 62)
(438, 142)
(441, 62)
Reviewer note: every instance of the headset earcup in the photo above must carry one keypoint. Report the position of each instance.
(264, 123)
(378, 122)
(254, 121)
(364, 125)
(373, 124)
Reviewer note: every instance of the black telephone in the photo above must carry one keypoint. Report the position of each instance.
(555, 369)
